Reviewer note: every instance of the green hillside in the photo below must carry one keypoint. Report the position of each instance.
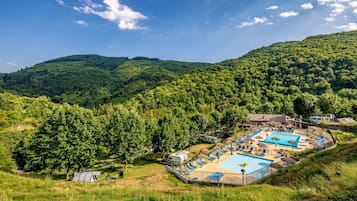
(90, 80)
(319, 73)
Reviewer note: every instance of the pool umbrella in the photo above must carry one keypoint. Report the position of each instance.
(201, 156)
(204, 151)
(315, 144)
(283, 152)
(288, 160)
(228, 141)
(218, 146)
(262, 145)
(259, 137)
(276, 139)
(276, 165)
(292, 142)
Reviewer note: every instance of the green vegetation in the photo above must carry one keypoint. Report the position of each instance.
(317, 75)
(320, 70)
(91, 80)
(125, 135)
(64, 140)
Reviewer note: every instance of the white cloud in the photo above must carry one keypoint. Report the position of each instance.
(325, 2)
(9, 63)
(353, 4)
(81, 22)
(288, 14)
(330, 19)
(355, 11)
(307, 6)
(348, 27)
(274, 7)
(257, 20)
(61, 2)
(114, 11)
(337, 9)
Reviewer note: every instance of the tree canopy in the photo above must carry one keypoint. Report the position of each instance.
(64, 140)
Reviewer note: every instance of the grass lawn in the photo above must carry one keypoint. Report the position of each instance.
(195, 149)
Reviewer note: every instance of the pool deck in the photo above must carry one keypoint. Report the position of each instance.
(272, 151)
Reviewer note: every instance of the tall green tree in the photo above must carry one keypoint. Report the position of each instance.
(64, 140)
(305, 105)
(164, 139)
(126, 135)
(234, 116)
(329, 103)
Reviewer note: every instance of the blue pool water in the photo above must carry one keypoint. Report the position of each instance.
(257, 167)
(283, 139)
(250, 135)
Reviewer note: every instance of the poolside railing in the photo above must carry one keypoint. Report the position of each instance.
(236, 179)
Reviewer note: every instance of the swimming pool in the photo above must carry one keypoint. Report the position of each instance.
(282, 139)
(234, 163)
(250, 135)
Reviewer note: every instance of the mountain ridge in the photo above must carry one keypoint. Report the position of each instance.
(78, 79)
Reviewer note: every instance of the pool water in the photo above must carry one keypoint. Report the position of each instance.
(282, 139)
(255, 164)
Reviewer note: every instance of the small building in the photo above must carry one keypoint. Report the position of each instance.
(260, 119)
(178, 157)
(346, 120)
(322, 117)
(86, 177)
(208, 138)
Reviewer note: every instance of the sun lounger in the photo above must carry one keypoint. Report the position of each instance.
(210, 158)
(216, 176)
(224, 151)
(189, 167)
(192, 165)
(182, 172)
(201, 163)
(279, 156)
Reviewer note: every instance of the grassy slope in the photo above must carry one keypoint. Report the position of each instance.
(328, 174)
(13, 187)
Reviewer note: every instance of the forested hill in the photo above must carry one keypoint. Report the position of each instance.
(318, 74)
(90, 80)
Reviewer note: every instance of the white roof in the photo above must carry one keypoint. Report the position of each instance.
(183, 152)
(86, 176)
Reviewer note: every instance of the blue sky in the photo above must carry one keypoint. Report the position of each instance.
(33, 31)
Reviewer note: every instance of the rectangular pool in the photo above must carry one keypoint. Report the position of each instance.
(282, 139)
(255, 164)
